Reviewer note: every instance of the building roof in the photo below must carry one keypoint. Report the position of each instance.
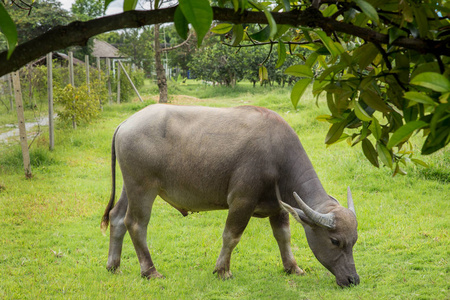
(58, 56)
(103, 49)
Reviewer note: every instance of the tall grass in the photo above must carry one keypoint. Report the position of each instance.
(51, 246)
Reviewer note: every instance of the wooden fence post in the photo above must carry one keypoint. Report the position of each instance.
(108, 75)
(72, 83)
(118, 83)
(11, 104)
(51, 130)
(99, 80)
(22, 129)
(86, 62)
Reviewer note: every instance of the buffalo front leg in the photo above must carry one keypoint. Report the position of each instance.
(117, 231)
(282, 233)
(140, 202)
(239, 215)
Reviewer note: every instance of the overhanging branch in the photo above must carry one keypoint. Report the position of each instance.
(78, 33)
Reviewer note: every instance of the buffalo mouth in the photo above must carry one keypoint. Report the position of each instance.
(348, 281)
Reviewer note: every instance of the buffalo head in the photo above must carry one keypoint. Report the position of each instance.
(331, 236)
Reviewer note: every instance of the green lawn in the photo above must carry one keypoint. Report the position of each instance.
(51, 245)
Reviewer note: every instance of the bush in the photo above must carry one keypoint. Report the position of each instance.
(78, 104)
(126, 90)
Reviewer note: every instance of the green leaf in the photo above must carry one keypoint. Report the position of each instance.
(8, 28)
(368, 10)
(419, 162)
(365, 55)
(335, 132)
(440, 114)
(107, 2)
(330, 10)
(421, 19)
(263, 74)
(199, 13)
(238, 34)
(384, 154)
(129, 5)
(281, 54)
(395, 33)
(299, 71)
(419, 98)
(324, 118)
(398, 170)
(374, 100)
(281, 30)
(370, 152)
(312, 59)
(262, 35)
(436, 141)
(360, 112)
(329, 44)
(433, 81)
(287, 5)
(375, 128)
(267, 13)
(298, 90)
(235, 5)
(181, 24)
(222, 28)
(404, 132)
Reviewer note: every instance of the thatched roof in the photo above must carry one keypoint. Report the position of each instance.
(102, 49)
(58, 56)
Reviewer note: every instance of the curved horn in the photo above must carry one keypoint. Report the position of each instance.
(324, 220)
(350, 203)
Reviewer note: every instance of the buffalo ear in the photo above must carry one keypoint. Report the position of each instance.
(297, 214)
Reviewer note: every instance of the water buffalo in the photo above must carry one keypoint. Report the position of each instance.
(245, 159)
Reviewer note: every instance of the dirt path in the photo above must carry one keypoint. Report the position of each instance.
(15, 132)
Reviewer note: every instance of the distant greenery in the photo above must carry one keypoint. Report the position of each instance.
(52, 247)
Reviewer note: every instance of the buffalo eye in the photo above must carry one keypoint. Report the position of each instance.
(335, 242)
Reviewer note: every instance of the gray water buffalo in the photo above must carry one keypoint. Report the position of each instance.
(247, 160)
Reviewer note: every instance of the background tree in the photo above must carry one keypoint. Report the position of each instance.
(136, 44)
(35, 18)
(85, 10)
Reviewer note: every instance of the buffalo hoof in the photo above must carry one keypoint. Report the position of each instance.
(114, 269)
(295, 270)
(224, 275)
(151, 273)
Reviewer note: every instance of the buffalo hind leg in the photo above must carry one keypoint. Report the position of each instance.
(282, 233)
(238, 217)
(140, 202)
(117, 231)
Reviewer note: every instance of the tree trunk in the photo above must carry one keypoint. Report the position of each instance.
(160, 73)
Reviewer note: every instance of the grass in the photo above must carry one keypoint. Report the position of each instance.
(51, 245)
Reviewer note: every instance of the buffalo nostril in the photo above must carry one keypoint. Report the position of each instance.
(353, 280)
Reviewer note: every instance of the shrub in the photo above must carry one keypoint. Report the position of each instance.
(77, 104)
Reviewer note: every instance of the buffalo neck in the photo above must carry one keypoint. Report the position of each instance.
(305, 182)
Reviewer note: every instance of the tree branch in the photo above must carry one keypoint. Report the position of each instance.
(78, 33)
(257, 44)
(179, 45)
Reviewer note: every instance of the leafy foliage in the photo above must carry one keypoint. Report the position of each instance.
(87, 9)
(378, 93)
(42, 15)
(8, 27)
(78, 104)
(218, 63)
